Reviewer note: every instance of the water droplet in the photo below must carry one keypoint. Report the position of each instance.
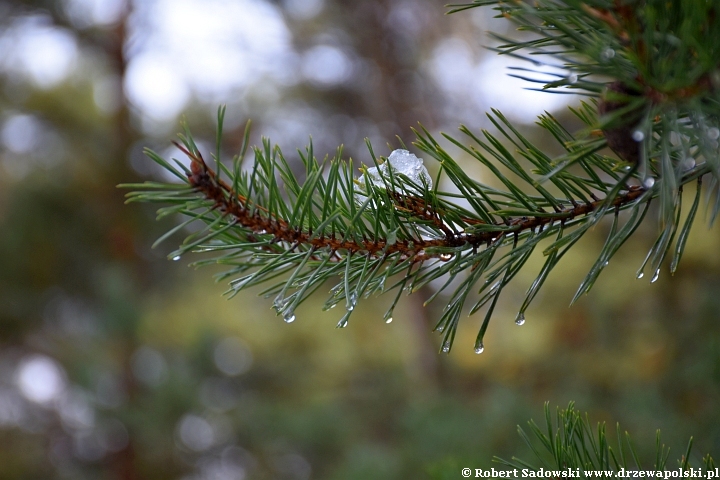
(713, 133)
(479, 348)
(607, 53)
(520, 320)
(445, 256)
(649, 182)
(342, 323)
(640, 275)
(446, 347)
(572, 78)
(655, 277)
(176, 258)
(333, 305)
(688, 163)
(289, 316)
(351, 302)
(440, 328)
(279, 303)
(389, 320)
(607, 262)
(638, 136)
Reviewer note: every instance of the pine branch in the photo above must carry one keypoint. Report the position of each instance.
(390, 229)
(327, 228)
(571, 445)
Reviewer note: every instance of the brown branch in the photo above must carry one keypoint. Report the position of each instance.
(260, 221)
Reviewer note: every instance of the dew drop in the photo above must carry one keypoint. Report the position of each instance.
(440, 329)
(688, 163)
(520, 320)
(655, 277)
(479, 348)
(279, 303)
(713, 133)
(638, 136)
(607, 262)
(572, 78)
(176, 258)
(342, 323)
(289, 316)
(352, 301)
(389, 320)
(333, 306)
(607, 53)
(446, 347)
(640, 275)
(649, 182)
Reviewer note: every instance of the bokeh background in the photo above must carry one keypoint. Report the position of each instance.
(116, 363)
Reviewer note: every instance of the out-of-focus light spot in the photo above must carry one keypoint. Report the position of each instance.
(107, 94)
(109, 392)
(12, 408)
(69, 316)
(113, 436)
(86, 13)
(452, 65)
(20, 132)
(237, 459)
(40, 378)
(149, 366)
(486, 82)
(75, 410)
(495, 88)
(153, 87)
(294, 465)
(303, 9)
(232, 356)
(30, 143)
(208, 47)
(87, 447)
(326, 65)
(33, 47)
(405, 17)
(195, 433)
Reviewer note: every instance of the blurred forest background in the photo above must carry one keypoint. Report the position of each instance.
(116, 363)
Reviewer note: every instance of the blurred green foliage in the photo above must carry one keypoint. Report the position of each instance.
(115, 363)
